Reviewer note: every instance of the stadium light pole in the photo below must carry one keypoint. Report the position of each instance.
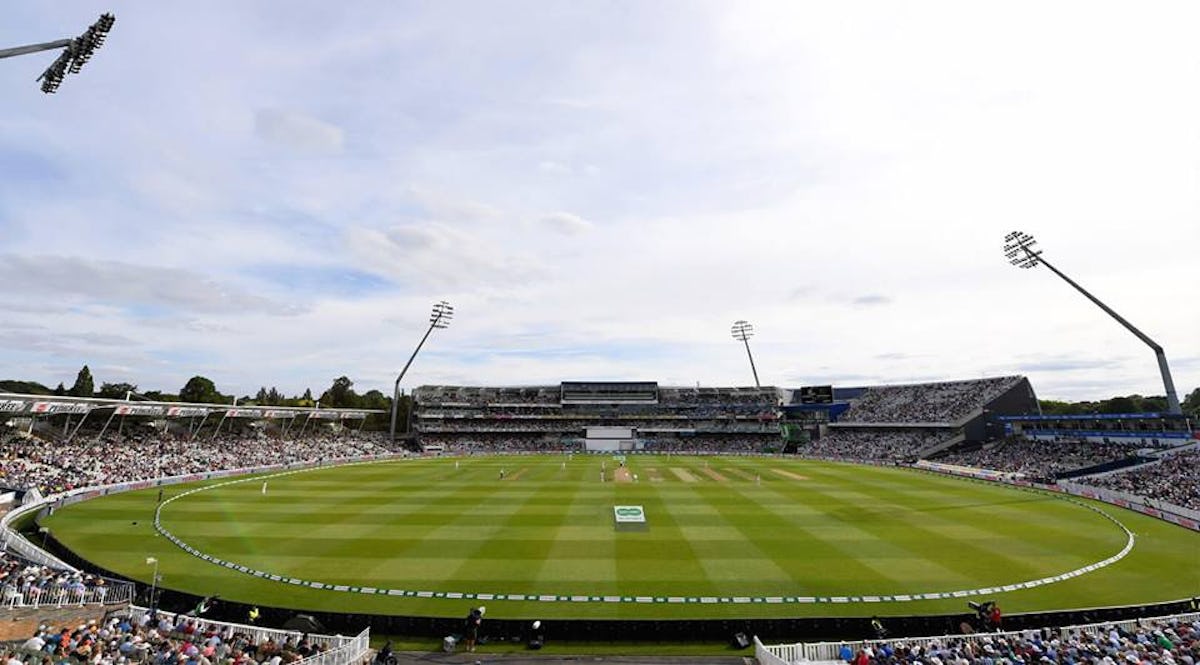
(439, 318)
(76, 52)
(743, 331)
(1018, 248)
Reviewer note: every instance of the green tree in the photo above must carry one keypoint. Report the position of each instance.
(1119, 405)
(1191, 403)
(116, 390)
(60, 389)
(373, 399)
(340, 394)
(1153, 405)
(24, 388)
(200, 389)
(274, 398)
(260, 397)
(84, 385)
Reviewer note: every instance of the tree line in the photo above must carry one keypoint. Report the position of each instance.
(1120, 404)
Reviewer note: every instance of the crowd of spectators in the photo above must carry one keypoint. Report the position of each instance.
(433, 396)
(26, 583)
(574, 427)
(874, 445)
(436, 396)
(157, 639)
(766, 398)
(713, 444)
(1168, 642)
(926, 402)
(29, 462)
(482, 443)
(494, 442)
(594, 412)
(1039, 459)
(1175, 480)
(473, 413)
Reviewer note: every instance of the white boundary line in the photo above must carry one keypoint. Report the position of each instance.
(552, 598)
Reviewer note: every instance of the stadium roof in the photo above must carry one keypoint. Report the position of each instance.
(38, 405)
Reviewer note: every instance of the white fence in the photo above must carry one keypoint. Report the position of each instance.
(12, 596)
(339, 650)
(350, 652)
(778, 654)
(800, 652)
(11, 541)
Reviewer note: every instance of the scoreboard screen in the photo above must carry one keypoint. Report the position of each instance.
(816, 395)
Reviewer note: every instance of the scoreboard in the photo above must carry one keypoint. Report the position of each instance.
(816, 395)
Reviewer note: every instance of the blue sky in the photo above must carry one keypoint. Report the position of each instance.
(276, 192)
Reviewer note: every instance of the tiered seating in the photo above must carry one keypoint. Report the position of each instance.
(943, 402)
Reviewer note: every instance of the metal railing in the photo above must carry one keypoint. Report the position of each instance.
(778, 654)
(349, 653)
(801, 652)
(339, 650)
(117, 594)
(12, 541)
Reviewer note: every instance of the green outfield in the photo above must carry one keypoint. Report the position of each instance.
(722, 537)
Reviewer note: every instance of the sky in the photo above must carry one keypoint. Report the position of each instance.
(275, 193)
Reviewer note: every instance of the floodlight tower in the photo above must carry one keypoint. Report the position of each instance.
(439, 318)
(1018, 248)
(742, 330)
(75, 55)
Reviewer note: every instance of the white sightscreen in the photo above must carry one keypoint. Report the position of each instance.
(609, 433)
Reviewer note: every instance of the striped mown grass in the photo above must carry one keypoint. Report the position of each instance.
(717, 527)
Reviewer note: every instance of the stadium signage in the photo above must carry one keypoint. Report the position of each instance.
(244, 413)
(138, 410)
(324, 415)
(278, 414)
(60, 407)
(12, 405)
(629, 514)
(186, 411)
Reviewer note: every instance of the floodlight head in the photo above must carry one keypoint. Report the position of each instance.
(1018, 250)
(742, 330)
(77, 53)
(441, 315)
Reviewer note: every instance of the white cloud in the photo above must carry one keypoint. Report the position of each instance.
(126, 285)
(297, 131)
(566, 223)
(840, 176)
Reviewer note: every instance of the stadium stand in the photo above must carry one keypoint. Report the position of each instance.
(941, 402)
(1040, 459)
(137, 635)
(1170, 640)
(875, 445)
(548, 418)
(27, 462)
(26, 584)
(1175, 480)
